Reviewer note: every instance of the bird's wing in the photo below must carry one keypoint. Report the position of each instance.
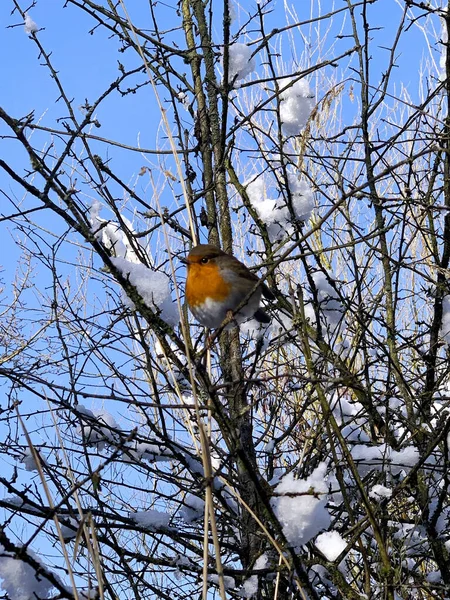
(243, 271)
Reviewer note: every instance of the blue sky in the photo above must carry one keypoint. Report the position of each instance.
(88, 63)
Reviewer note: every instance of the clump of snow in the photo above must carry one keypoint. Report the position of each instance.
(412, 536)
(274, 212)
(228, 582)
(407, 457)
(331, 309)
(253, 329)
(352, 417)
(112, 236)
(184, 99)
(329, 300)
(187, 399)
(170, 366)
(136, 451)
(232, 8)
(439, 404)
(151, 519)
(240, 62)
(20, 581)
(216, 462)
(281, 324)
(183, 561)
(278, 329)
(30, 26)
(250, 586)
(434, 577)
(377, 457)
(331, 544)
(443, 46)
(90, 594)
(29, 461)
(296, 105)
(379, 492)
(343, 407)
(302, 513)
(69, 531)
(18, 501)
(302, 197)
(322, 577)
(368, 458)
(98, 429)
(193, 508)
(153, 287)
(269, 446)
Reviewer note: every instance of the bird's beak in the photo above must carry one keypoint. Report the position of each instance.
(183, 260)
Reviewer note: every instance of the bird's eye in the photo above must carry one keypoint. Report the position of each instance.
(204, 260)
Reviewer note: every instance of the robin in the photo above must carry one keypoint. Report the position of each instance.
(217, 284)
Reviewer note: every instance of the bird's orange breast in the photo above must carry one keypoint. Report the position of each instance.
(205, 281)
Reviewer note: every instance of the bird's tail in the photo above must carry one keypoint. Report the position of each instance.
(261, 316)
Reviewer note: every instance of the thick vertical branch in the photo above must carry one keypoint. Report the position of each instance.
(202, 124)
(230, 347)
(443, 263)
(215, 125)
